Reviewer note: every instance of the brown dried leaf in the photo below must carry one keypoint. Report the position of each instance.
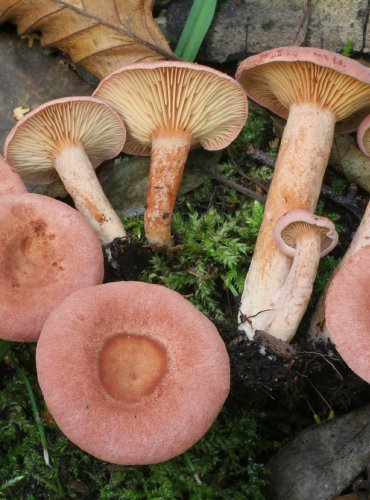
(126, 34)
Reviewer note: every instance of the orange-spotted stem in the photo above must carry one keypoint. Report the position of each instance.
(168, 157)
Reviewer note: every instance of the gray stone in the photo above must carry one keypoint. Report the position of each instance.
(29, 77)
(241, 28)
(320, 462)
(126, 184)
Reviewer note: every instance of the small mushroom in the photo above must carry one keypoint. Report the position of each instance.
(347, 310)
(305, 238)
(169, 106)
(47, 251)
(10, 182)
(69, 138)
(314, 90)
(132, 373)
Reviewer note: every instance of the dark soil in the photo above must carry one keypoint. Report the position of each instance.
(269, 370)
(129, 258)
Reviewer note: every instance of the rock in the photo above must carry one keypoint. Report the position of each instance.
(126, 187)
(244, 27)
(28, 78)
(126, 184)
(320, 462)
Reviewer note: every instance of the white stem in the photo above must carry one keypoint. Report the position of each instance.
(297, 290)
(300, 167)
(79, 178)
(318, 331)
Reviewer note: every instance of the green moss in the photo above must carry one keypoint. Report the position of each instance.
(224, 463)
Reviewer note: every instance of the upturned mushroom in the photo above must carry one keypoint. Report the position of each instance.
(147, 372)
(305, 238)
(68, 138)
(348, 312)
(47, 252)
(168, 107)
(315, 90)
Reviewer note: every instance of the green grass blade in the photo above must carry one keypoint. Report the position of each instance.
(5, 346)
(21, 374)
(195, 29)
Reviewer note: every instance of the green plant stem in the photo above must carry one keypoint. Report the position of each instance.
(21, 374)
(5, 346)
(195, 29)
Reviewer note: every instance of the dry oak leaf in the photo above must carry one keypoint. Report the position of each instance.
(100, 35)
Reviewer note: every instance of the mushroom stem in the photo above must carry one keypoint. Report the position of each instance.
(300, 167)
(297, 289)
(168, 157)
(79, 178)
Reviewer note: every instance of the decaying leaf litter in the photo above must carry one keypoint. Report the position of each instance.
(214, 196)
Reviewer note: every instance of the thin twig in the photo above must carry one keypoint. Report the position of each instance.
(343, 201)
(241, 189)
(301, 34)
(260, 156)
(238, 169)
(120, 28)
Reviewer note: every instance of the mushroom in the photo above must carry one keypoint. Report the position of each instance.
(305, 238)
(347, 309)
(147, 372)
(318, 331)
(314, 89)
(10, 182)
(47, 251)
(69, 138)
(169, 106)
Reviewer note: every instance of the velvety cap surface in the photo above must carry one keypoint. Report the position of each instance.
(34, 141)
(10, 182)
(280, 77)
(47, 252)
(132, 373)
(348, 312)
(298, 222)
(175, 96)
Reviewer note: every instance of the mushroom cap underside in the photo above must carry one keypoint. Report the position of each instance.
(147, 372)
(175, 97)
(363, 135)
(298, 222)
(34, 142)
(280, 77)
(347, 311)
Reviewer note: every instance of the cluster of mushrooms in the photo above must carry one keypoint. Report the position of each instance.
(131, 372)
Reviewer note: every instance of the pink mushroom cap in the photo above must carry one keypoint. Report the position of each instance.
(344, 87)
(348, 312)
(10, 182)
(363, 136)
(132, 373)
(47, 251)
(288, 228)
